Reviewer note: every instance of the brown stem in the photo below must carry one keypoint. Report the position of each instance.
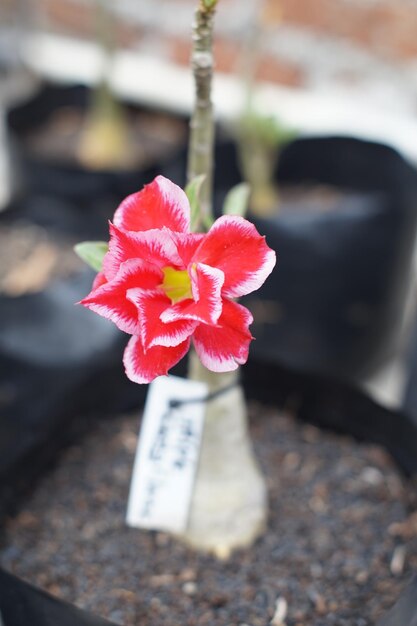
(200, 150)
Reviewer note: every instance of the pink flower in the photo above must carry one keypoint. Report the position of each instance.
(165, 286)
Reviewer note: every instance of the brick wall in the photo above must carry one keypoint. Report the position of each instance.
(367, 45)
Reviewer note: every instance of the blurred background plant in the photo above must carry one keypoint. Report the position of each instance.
(105, 141)
(260, 137)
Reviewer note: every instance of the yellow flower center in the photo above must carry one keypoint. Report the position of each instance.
(176, 284)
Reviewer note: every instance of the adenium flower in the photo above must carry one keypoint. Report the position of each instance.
(166, 286)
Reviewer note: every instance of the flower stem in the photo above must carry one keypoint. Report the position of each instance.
(200, 150)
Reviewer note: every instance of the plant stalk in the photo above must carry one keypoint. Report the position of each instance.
(229, 504)
(257, 154)
(201, 144)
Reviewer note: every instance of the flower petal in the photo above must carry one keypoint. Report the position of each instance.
(234, 245)
(153, 331)
(109, 299)
(186, 245)
(206, 307)
(161, 203)
(154, 246)
(223, 347)
(144, 367)
(99, 280)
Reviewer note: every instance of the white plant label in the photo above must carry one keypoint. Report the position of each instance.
(167, 455)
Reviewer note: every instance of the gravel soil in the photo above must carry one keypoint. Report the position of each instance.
(340, 546)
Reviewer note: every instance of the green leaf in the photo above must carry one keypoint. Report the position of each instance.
(237, 200)
(92, 253)
(209, 5)
(265, 130)
(193, 191)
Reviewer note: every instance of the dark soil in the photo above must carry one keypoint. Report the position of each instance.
(31, 256)
(340, 546)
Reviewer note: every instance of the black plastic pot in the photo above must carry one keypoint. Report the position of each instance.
(404, 613)
(58, 365)
(335, 301)
(24, 605)
(320, 400)
(69, 181)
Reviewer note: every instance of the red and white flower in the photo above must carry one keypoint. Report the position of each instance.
(166, 286)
